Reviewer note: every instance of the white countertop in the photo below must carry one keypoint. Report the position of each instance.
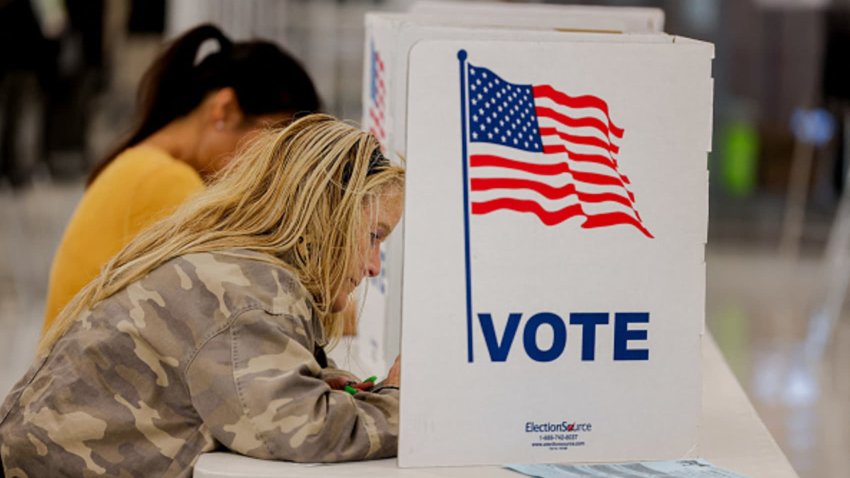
(732, 436)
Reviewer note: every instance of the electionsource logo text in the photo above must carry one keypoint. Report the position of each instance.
(561, 427)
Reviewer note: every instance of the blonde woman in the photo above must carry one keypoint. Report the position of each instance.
(208, 329)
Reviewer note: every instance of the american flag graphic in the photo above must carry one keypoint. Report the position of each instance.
(377, 92)
(535, 149)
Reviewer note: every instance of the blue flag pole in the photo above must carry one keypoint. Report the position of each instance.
(461, 56)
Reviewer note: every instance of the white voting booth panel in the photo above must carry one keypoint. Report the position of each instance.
(555, 224)
(389, 38)
(531, 15)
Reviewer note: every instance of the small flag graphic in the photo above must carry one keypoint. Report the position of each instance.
(377, 92)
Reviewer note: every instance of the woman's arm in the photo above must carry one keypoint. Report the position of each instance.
(258, 388)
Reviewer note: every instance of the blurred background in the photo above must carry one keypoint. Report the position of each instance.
(779, 232)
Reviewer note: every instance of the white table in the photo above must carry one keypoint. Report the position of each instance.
(732, 436)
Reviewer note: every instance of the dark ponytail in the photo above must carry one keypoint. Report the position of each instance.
(266, 80)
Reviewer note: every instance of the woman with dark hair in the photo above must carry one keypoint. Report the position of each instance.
(193, 113)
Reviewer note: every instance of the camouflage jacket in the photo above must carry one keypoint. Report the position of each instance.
(207, 350)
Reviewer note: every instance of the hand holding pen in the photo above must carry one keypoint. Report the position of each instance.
(343, 383)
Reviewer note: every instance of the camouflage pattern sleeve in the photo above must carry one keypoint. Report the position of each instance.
(261, 392)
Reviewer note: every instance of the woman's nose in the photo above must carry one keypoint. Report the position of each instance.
(373, 266)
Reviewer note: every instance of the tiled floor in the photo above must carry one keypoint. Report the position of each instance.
(31, 223)
(757, 307)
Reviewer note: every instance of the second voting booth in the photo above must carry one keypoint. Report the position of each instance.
(553, 278)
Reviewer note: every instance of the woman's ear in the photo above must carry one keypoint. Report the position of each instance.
(224, 111)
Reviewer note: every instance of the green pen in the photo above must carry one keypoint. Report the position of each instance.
(353, 391)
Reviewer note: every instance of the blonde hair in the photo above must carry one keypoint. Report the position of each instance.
(296, 194)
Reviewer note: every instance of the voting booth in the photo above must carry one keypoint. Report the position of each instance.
(388, 40)
(550, 271)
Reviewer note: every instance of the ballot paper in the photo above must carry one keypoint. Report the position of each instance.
(648, 469)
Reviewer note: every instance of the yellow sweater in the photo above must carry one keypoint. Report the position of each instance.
(142, 185)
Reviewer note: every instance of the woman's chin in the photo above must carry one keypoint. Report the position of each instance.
(339, 305)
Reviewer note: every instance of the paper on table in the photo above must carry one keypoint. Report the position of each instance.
(647, 469)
